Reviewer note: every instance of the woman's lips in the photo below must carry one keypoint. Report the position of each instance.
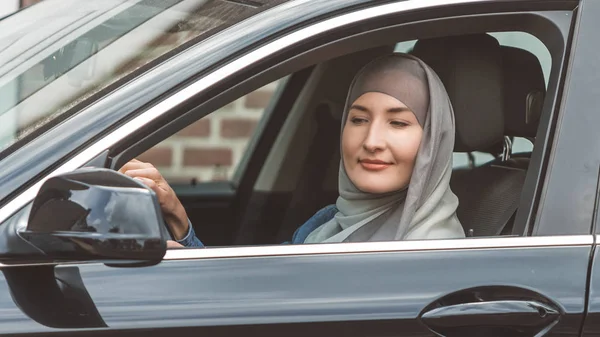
(374, 165)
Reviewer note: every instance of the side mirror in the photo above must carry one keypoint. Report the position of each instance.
(96, 214)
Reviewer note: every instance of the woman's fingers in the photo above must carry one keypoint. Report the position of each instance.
(150, 173)
(134, 164)
(173, 211)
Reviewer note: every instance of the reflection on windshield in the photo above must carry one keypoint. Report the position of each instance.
(59, 52)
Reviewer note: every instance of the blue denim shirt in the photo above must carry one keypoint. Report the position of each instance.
(322, 216)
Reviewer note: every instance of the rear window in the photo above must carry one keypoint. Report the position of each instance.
(58, 53)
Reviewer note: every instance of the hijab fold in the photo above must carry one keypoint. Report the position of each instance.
(426, 209)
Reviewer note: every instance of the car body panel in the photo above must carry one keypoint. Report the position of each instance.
(365, 287)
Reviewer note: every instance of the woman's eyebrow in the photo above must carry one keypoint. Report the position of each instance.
(399, 109)
(359, 107)
(391, 110)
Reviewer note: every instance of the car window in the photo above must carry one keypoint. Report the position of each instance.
(259, 213)
(213, 148)
(530, 43)
(50, 62)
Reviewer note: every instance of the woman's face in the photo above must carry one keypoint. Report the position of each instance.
(380, 142)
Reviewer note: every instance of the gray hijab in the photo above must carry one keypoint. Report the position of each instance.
(427, 208)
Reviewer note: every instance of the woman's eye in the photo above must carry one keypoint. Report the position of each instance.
(358, 120)
(399, 124)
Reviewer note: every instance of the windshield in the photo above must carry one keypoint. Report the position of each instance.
(57, 53)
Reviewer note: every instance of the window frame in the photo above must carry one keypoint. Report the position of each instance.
(213, 81)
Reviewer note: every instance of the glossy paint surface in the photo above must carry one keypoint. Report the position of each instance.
(320, 288)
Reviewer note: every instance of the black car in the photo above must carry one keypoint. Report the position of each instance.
(230, 100)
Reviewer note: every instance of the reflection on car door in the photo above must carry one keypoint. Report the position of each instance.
(472, 287)
(469, 287)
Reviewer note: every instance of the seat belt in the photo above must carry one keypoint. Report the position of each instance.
(304, 201)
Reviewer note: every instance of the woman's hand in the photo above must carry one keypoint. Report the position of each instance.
(172, 209)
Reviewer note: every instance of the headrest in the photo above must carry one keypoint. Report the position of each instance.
(470, 67)
(524, 92)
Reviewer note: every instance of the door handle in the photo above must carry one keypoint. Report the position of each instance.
(492, 318)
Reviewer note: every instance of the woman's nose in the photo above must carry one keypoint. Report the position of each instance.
(375, 140)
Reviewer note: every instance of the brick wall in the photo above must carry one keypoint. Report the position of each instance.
(211, 148)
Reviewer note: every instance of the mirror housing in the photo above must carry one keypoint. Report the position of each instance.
(96, 214)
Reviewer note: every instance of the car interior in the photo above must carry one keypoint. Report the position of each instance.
(497, 93)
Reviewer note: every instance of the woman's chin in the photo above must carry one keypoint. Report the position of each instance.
(379, 187)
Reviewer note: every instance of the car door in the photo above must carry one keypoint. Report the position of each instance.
(469, 287)
(525, 286)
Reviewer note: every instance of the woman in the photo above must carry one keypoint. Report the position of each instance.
(397, 142)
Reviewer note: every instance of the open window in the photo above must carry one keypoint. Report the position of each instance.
(277, 187)
(216, 147)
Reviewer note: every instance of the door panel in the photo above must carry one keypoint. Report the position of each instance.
(376, 294)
